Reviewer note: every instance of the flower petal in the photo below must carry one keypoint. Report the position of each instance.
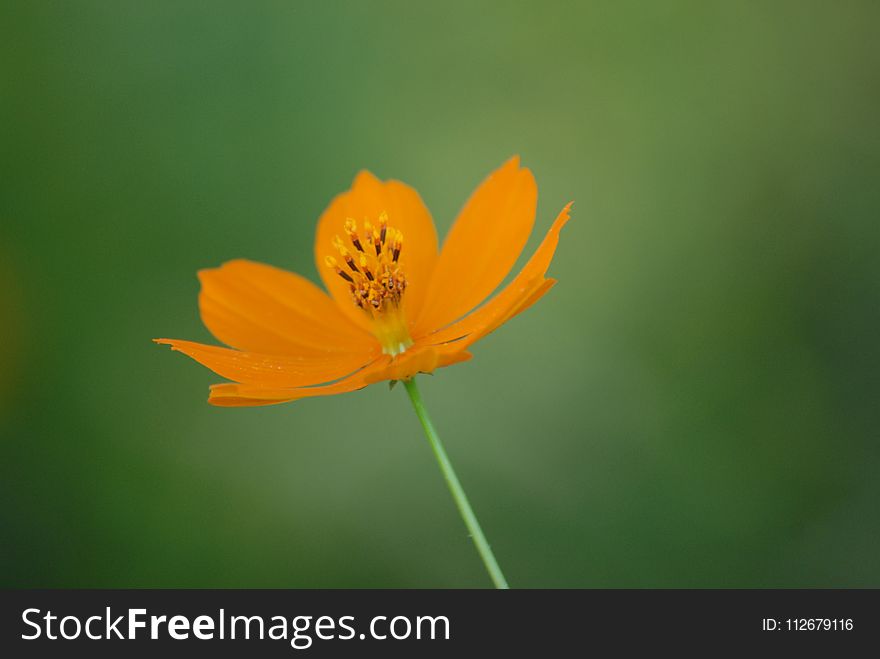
(419, 360)
(260, 308)
(233, 394)
(523, 291)
(367, 199)
(482, 246)
(405, 365)
(272, 370)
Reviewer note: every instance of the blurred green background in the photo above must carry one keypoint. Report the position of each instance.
(695, 404)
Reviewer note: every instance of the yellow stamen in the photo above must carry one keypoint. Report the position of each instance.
(376, 278)
(383, 227)
(332, 263)
(351, 230)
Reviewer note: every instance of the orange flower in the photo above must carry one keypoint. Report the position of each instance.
(397, 305)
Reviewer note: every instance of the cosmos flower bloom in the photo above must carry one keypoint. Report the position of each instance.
(397, 305)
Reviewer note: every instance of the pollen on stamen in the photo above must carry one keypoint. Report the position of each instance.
(372, 237)
(397, 245)
(351, 230)
(332, 263)
(345, 254)
(366, 268)
(383, 227)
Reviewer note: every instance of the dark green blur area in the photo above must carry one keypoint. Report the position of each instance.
(695, 404)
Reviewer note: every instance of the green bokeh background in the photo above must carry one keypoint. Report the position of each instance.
(695, 404)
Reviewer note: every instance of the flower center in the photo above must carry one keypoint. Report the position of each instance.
(377, 283)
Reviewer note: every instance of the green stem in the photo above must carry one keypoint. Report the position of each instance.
(467, 513)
